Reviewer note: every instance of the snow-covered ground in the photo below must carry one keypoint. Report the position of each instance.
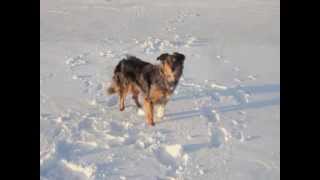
(223, 122)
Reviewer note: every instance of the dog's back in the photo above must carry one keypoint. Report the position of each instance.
(127, 71)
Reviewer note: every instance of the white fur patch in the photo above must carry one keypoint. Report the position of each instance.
(160, 111)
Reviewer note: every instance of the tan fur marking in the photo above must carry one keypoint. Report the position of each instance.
(168, 72)
(123, 94)
(148, 108)
(135, 95)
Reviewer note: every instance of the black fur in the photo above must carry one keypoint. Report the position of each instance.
(163, 56)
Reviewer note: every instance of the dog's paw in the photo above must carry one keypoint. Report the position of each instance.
(140, 112)
(151, 124)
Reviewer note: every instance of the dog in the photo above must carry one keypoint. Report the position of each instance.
(154, 82)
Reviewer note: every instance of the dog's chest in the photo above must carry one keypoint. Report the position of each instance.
(159, 95)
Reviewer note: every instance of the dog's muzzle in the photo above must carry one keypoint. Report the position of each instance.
(173, 84)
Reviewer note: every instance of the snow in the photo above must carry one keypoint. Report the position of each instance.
(216, 86)
(140, 112)
(223, 121)
(88, 171)
(174, 150)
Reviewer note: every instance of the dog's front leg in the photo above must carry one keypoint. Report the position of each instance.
(148, 108)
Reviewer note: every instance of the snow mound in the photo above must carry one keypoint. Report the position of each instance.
(175, 150)
(87, 171)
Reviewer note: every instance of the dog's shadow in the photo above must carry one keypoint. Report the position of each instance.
(214, 95)
(238, 93)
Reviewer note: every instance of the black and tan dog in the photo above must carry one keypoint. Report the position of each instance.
(156, 83)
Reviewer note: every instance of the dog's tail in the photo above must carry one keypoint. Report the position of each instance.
(111, 90)
(115, 85)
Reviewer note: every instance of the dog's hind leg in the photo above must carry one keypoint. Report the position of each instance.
(136, 100)
(122, 95)
(135, 96)
(140, 110)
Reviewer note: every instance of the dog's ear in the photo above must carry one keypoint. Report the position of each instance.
(179, 56)
(162, 57)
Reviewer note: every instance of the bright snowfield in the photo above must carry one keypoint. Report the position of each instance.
(223, 123)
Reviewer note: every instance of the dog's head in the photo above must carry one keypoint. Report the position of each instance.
(172, 66)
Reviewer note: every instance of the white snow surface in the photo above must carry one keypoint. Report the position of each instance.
(222, 123)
